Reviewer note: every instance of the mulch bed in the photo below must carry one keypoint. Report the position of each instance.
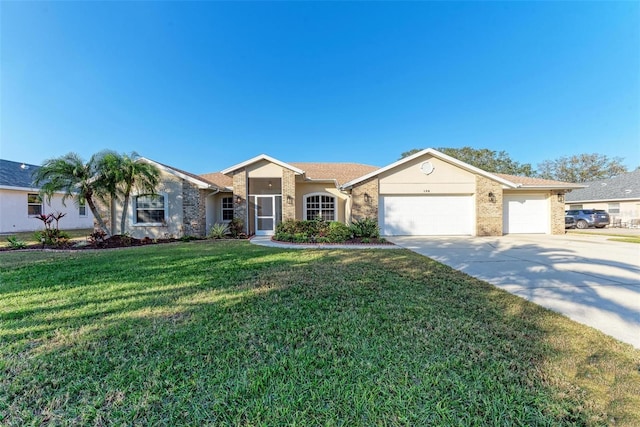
(112, 242)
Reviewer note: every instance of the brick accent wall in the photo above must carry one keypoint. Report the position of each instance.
(240, 190)
(288, 194)
(193, 210)
(365, 207)
(488, 213)
(557, 214)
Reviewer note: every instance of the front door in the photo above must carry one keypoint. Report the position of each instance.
(268, 214)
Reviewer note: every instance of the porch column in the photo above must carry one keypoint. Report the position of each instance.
(288, 194)
(240, 198)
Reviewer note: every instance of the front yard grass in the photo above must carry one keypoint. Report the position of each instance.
(227, 333)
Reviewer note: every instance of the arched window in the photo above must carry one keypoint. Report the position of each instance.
(150, 209)
(320, 205)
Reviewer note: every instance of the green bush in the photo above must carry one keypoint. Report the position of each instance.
(366, 228)
(219, 231)
(316, 230)
(338, 232)
(15, 243)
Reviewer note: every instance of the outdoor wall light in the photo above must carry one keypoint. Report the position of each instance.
(561, 197)
(270, 184)
(492, 197)
(238, 200)
(367, 198)
(289, 200)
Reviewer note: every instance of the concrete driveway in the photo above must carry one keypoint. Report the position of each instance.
(588, 278)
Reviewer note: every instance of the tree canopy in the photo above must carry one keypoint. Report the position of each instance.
(485, 159)
(581, 168)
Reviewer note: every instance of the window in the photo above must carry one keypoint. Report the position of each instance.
(614, 208)
(572, 207)
(82, 208)
(227, 208)
(34, 204)
(150, 208)
(320, 206)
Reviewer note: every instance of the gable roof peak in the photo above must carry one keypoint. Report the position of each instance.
(259, 158)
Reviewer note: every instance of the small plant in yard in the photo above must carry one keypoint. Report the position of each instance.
(236, 227)
(365, 227)
(15, 243)
(219, 231)
(97, 236)
(52, 234)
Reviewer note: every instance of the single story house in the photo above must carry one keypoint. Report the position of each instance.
(20, 202)
(620, 196)
(428, 193)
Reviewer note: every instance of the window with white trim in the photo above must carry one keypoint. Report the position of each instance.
(321, 206)
(227, 208)
(82, 208)
(150, 209)
(34, 204)
(614, 208)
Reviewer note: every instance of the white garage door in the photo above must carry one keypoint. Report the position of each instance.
(525, 214)
(426, 215)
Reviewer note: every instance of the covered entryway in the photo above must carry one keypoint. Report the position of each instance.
(525, 214)
(451, 215)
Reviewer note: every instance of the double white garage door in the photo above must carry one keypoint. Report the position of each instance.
(455, 215)
(426, 215)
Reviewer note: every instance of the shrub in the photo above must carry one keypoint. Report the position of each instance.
(52, 235)
(219, 231)
(315, 230)
(366, 227)
(15, 243)
(338, 232)
(236, 228)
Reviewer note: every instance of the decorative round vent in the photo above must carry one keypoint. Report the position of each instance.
(426, 168)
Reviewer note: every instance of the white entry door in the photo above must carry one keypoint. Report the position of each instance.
(268, 214)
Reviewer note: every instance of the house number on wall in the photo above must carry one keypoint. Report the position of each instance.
(426, 191)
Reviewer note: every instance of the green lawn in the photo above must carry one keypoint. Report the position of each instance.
(227, 333)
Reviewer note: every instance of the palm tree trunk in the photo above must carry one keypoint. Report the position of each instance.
(123, 219)
(97, 216)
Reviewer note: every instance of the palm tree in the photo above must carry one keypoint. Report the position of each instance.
(134, 173)
(76, 179)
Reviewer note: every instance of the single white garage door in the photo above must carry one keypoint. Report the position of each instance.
(527, 213)
(426, 215)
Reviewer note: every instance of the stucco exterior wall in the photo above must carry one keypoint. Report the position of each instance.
(306, 188)
(488, 212)
(365, 199)
(14, 215)
(445, 178)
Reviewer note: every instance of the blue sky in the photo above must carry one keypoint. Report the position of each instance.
(204, 85)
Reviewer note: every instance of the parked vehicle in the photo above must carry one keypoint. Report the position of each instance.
(586, 218)
(569, 222)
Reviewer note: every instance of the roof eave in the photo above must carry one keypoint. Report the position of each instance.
(205, 185)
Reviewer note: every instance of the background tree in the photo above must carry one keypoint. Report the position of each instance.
(76, 179)
(485, 159)
(581, 168)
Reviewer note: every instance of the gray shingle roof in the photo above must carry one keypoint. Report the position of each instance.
(16, 174)
(625, 186)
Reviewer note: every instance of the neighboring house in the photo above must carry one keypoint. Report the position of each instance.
(620, 196)
(20, 202)
(428, 193)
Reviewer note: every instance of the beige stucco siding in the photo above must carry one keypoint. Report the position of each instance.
(408, 178)
(305, 188)
(264, 169)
